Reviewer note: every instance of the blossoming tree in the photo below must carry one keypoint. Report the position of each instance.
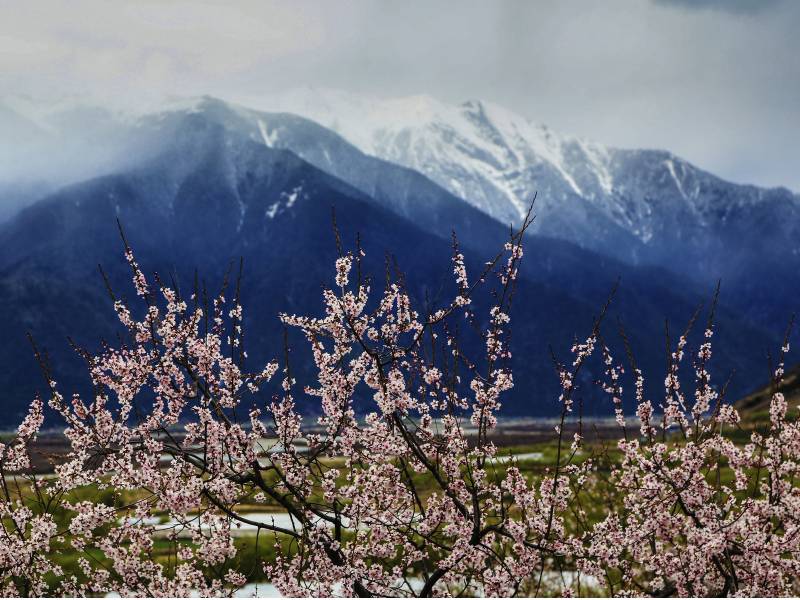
(397, 499)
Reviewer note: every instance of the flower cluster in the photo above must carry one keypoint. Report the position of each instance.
(384, 492)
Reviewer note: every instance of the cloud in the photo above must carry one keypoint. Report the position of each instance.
(733, 6)
(719, 86)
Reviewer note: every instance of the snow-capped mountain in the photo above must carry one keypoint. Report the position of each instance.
(477, 150)
(641, 206)
(442, 165)
(638, 205)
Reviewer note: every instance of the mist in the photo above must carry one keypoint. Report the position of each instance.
(714, 82)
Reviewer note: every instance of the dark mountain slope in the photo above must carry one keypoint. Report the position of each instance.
(214, 195)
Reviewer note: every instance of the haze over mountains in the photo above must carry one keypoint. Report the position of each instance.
(200, 182)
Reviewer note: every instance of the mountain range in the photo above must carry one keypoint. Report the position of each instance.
(640, 206)
(200, 182)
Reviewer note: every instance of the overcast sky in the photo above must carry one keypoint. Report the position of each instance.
(715, 81)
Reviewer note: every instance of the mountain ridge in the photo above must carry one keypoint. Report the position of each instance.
(216, 194)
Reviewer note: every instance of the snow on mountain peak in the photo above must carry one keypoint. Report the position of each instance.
(628, 203)
(478, 150)
(623, 202)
